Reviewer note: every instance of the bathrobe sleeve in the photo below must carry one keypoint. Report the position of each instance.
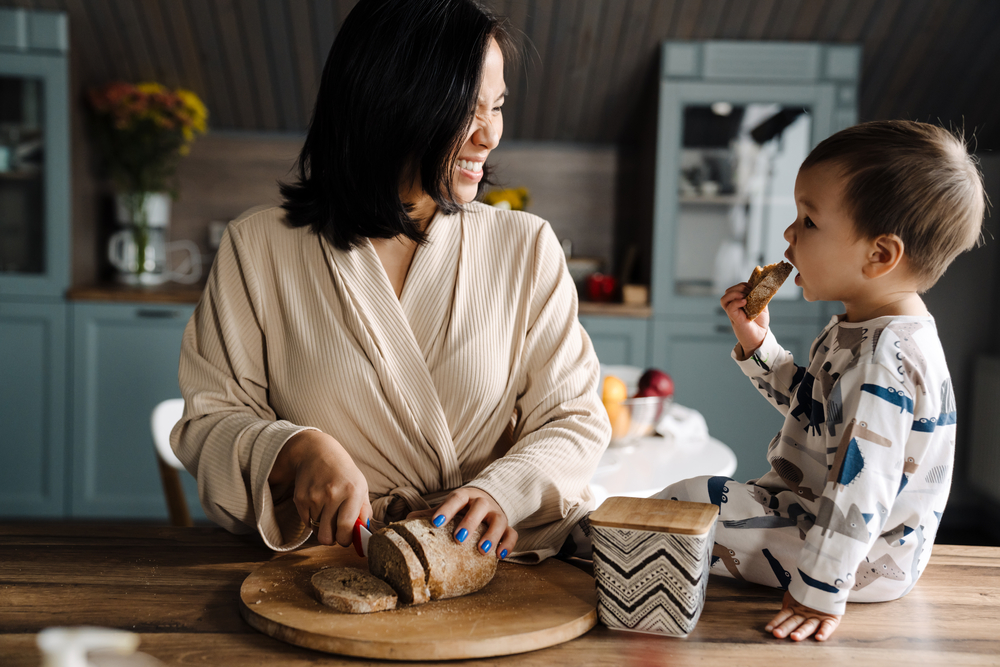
(562, 428)
(229, 436)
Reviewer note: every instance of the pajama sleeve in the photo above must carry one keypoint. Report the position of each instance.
(562, 428)
(862, 485)
(773, 371)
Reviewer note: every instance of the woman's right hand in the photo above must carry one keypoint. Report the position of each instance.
(328, 487)
(750, 333)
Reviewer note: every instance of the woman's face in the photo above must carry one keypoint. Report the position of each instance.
(485, 130)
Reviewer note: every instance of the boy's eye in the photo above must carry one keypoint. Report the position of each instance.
(808, 223)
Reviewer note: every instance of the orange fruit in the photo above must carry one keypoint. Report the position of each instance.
(613, 392)
(621, 423)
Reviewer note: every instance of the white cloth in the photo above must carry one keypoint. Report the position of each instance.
(478, 374)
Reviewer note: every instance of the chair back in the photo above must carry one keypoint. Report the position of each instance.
(165, 415)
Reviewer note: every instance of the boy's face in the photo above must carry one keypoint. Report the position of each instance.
(822, 244)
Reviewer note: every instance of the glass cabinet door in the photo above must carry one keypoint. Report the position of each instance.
(22, 183)
(34, 164)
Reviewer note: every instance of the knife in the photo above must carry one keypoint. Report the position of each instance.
(361, 534)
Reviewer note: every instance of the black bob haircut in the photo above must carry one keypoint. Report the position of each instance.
(398, 93)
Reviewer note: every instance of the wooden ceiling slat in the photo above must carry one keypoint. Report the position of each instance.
(807, 22)
(883, 68)
(684, 20)
(734, 20)
(304, 49)
(135, 39)
(191, 68)
(265, 94)
(565, 25)
(344, 8)
(879, 27)
(118, 63)
(829, 26)
(164, 61)
(236, 63)
(975, 87)
(938, 59)
(856, 21)
(84, 41)
(516, 14)
(782, 20)
(325, 24)
(626, 83)
(540, 26)
(911, 60)
(277, 36)
(712, 16)
(573, 98)
(204, 30)
(759, 19)
(610, 34)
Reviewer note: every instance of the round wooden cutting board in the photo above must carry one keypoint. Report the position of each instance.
(525, 607)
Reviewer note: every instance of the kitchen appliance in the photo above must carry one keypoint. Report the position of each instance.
(123, 246)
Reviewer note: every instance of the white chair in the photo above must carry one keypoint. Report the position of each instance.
(165, 415)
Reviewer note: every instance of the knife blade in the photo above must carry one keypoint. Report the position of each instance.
(362, 533)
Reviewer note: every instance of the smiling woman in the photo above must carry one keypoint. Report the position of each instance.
(382, 345)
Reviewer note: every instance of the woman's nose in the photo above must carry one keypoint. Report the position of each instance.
(487, 134)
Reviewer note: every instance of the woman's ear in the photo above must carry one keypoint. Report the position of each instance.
(884, 254)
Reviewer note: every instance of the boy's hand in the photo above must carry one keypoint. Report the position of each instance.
(749, 333)
(800, 621)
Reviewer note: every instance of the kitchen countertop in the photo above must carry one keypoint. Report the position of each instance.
(179, 589)
(177, 293)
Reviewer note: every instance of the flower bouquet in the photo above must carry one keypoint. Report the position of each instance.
(141, 132)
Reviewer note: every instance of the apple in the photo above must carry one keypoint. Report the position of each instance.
(655, 382)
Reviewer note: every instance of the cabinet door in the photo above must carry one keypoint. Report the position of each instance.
(32, 409)
(696, 354)
(125, 362)
(618, 340)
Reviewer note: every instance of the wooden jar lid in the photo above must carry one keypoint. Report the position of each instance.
(653, 514)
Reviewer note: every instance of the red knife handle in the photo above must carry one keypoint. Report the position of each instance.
(356, 537)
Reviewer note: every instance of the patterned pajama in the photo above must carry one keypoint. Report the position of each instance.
(860, 470)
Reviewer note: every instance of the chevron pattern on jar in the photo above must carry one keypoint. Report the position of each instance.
(651, 581)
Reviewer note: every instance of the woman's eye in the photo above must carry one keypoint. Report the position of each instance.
(808, 223)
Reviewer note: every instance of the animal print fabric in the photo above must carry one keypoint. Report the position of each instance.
(860, 470)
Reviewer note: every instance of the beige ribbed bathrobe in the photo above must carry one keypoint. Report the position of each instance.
(479, 374)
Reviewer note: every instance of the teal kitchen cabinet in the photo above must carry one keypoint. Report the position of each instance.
(696, 354)
(618, 340)
(32, 409)
(125, 359)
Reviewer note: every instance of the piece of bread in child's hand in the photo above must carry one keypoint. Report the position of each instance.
(764, 283)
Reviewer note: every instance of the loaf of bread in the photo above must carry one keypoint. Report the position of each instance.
(764, 284)
(392, 560)
(352, 591)
(453, 568)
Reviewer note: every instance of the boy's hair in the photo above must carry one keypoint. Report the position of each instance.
(914, 180)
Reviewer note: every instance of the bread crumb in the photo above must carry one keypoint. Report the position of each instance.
(257, 602)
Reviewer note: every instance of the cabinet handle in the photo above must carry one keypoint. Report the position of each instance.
(150, 313)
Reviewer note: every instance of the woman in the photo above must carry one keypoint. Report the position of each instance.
(381, 344)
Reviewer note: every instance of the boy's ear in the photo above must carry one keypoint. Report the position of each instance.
(884, 254)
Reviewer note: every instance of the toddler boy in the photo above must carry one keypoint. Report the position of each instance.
(861, 468)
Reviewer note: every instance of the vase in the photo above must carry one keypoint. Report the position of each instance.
(138, 250)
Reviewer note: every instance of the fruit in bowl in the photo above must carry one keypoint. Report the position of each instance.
(637, 418)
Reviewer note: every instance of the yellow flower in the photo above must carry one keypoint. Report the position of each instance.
(151, 87)
(199, 114)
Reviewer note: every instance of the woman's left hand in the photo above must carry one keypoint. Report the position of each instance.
(479, 507)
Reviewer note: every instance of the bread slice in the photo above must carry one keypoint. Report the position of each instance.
(764, 283)
(352, 591)
(392, 559)
(453, 568)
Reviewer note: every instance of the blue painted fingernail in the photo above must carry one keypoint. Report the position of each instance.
(461, 535)
(485, 546)
(368, 524)
(439, 520)
(503, 554)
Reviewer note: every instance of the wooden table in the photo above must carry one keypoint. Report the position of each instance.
(178, 588)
